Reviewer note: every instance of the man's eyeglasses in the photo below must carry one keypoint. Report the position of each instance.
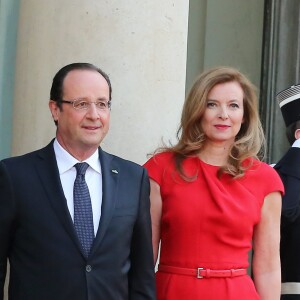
(81, 104)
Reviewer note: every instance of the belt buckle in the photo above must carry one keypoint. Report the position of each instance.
(198, 273)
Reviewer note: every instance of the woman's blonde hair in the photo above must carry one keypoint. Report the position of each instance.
(249, 142)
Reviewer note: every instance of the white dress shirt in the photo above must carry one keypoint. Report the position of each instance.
(296, 144)
(93, 178)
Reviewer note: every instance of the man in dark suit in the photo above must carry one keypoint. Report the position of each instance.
(74, 220)
(289, 170)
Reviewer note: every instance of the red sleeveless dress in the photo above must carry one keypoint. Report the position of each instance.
(208, 223)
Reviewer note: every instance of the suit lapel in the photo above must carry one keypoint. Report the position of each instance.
(49, 175)
(48, 172)
(110, 177)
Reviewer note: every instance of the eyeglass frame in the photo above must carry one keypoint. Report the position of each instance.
(89, 102)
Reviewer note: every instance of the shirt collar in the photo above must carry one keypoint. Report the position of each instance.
(296, 144)
(65, 161)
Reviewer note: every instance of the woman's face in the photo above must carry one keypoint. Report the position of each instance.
(223, 116)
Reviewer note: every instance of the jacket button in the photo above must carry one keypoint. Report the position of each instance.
(88, 268)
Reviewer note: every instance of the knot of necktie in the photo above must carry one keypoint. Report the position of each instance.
(81, 168)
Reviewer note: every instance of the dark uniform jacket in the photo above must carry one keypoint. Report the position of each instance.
(289, 170)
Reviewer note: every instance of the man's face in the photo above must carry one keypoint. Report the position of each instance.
(80, 132)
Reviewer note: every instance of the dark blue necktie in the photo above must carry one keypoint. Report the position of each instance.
(83, 214)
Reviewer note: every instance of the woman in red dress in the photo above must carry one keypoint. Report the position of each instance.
(212, 200)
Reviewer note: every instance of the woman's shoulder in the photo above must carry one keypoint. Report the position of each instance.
(263, 176)
(159, 165)
(161, 158)
(264, 173)
(260, 168)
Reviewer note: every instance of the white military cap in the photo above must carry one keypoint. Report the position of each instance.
(289, 103)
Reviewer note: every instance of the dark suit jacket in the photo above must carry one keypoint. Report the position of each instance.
(289, 170)
(38, 237)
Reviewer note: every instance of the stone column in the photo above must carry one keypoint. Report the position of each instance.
(280, 68)
(140, 44)
(8, 35)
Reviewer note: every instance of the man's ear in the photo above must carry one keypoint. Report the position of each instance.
(297, 134)
(54, 109)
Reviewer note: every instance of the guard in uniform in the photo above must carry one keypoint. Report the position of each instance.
(289, 170)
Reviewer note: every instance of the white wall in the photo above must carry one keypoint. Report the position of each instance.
(140, 44)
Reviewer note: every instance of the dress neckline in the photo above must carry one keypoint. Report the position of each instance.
(207, 164)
